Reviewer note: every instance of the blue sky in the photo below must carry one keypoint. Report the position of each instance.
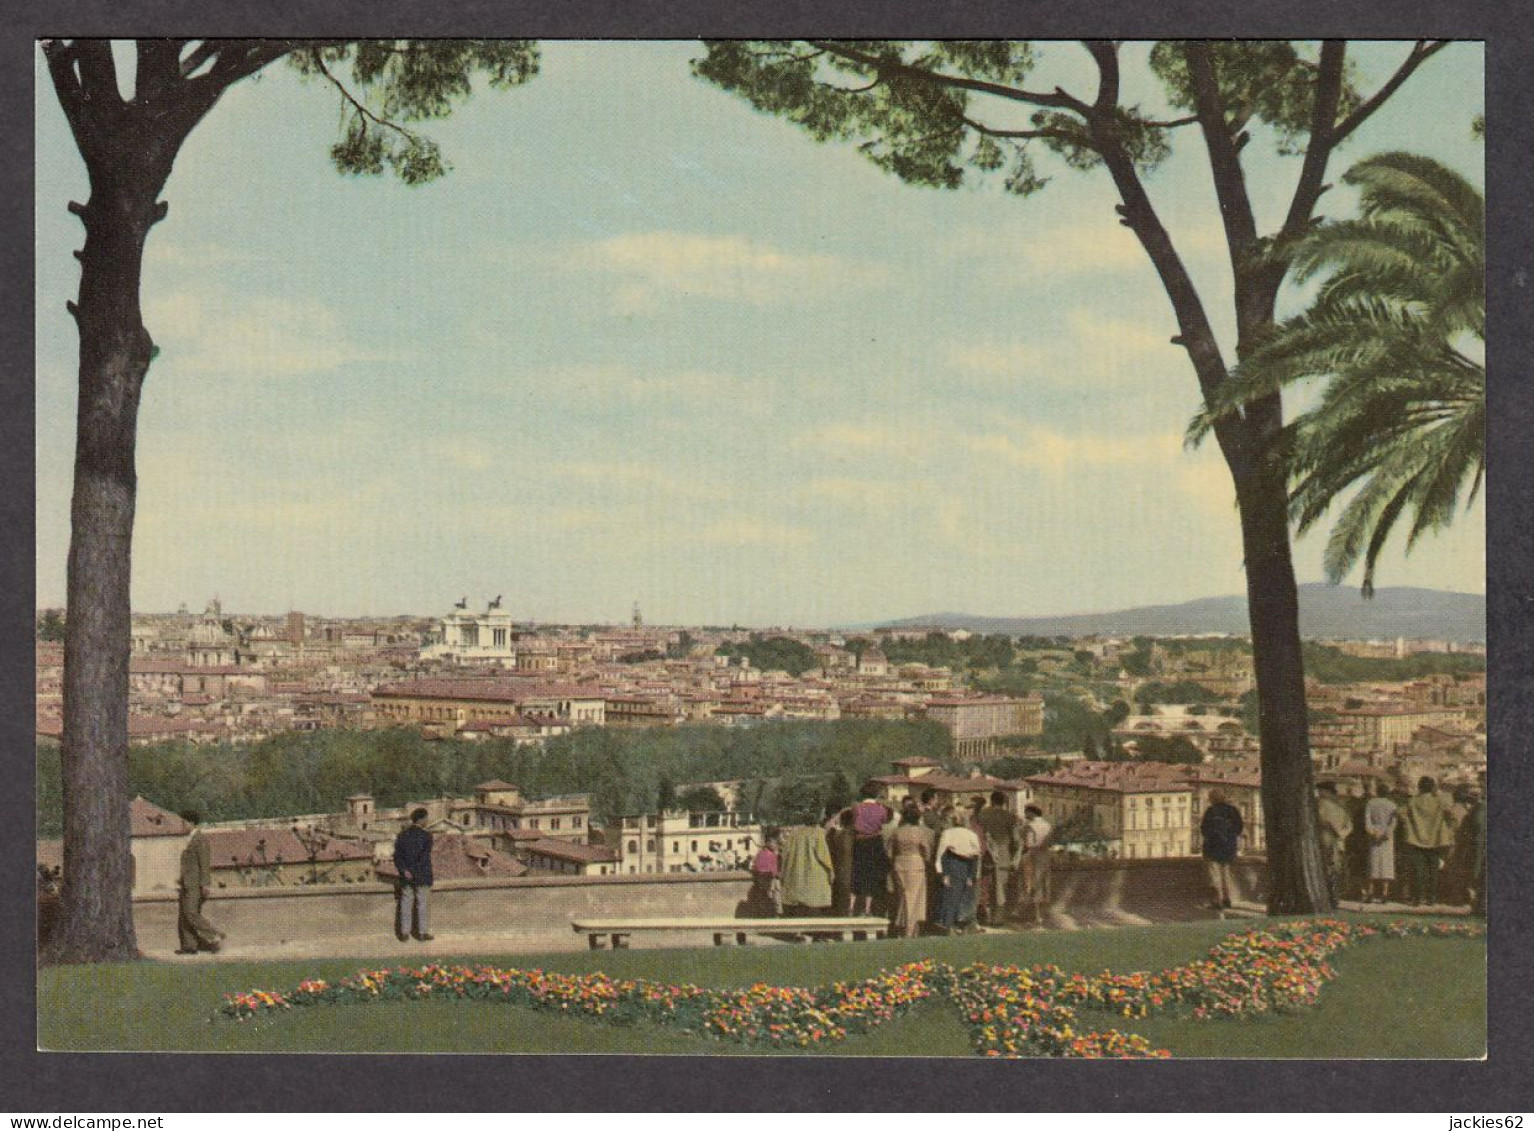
(643, 343)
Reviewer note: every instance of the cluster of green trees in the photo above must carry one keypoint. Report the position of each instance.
(939, 650)
(773, 653)
(1332, 665)
(625, 771)
(1137, 661)
(1180, 691)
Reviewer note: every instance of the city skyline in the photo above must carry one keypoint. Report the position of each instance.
(610, 358)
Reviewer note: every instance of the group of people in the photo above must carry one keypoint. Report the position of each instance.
(1432, 833)
(1437, 836)
(945, 866)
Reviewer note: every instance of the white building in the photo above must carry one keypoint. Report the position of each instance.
(467, 638)
(679, 841)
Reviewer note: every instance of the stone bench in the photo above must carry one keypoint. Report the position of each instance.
(617, 931)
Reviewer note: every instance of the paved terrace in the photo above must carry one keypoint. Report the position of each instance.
(528, 915)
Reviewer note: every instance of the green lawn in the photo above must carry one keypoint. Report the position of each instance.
(1393, 998)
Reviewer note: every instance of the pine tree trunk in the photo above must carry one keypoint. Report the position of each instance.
(1296, 872)
(95, 921)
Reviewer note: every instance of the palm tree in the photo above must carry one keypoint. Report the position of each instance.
(1397, 331)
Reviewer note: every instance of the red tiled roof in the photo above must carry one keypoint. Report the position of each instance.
(242, 848)
(464, 858)
(1119, 777)
(573, 851)
(502, 690)
(148, 819)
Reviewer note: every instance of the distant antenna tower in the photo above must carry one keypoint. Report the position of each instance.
(638, 618)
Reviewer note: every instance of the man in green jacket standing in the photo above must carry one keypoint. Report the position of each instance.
(196, 880)
(1428, 828)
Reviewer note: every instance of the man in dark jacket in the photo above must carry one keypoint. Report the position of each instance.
(196, 878)
(412, 860)
(1221, 830)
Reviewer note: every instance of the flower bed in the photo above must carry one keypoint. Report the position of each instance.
(1011, 1011)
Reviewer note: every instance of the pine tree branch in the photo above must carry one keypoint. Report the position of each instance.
(98, 72)
(1138, 213)
(203, 52)
(360, 108)
(1224, 160)
(1106, 54)
(60, 55)
(1323, 139)
(1423, 50)
(884, 66)
(991, 131)
(159, 68)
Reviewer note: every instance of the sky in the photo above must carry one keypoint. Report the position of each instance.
(644, 344)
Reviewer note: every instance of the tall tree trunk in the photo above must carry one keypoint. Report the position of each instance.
(1296, 878)
(1296, 871)
(95, 921)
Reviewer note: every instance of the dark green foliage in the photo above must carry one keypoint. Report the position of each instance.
(797, 800)
(774, 653)
(1183, 645)
(1012, 767)
(1161, 748)
(1402, 418)
(1183, 691)
(1068, 722)
(641, 657)
(1250, 712)
(665, 794)
(1331, 665)
(1019, 679)
(1036, 643)
(1269, 81)
(939, 650)
(880, 95)
(701, 799)
(839, 794)
(313, 772)
(1136, 663)
(1081, 830)
(50, 626)
(393, 82)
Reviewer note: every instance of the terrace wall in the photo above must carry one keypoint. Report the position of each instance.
(535, 912)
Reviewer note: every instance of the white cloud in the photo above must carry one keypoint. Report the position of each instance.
(214, 332)
(606, 381)
(1088, 349)
(879, 495)
(1080, 245)
(863, 437)
(1043, 449)
(653, 483)
(198, 256)
(747, 531)
(1206, 481)
(998, 360)
(650, 268)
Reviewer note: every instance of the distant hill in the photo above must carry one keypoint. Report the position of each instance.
(1326, 612)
